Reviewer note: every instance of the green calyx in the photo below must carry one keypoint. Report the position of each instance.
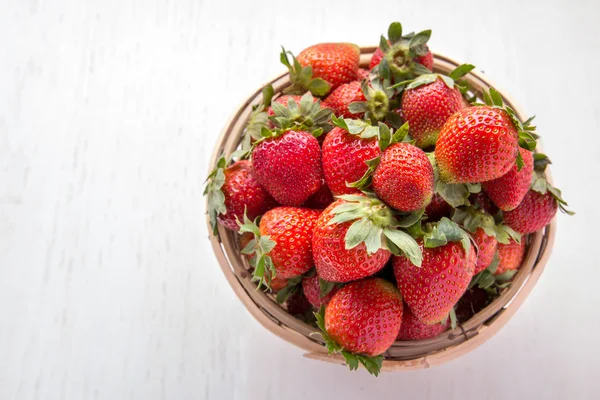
(371, 363)
(541, 185)
(472, 219)
(526, 131)
(379, 104)
(376, 225)
(216, 199)
(491, 283)
(260, 246)
(302, 77)
(258, 118)
(443, 232)
(307, 115)
(451, 81)
(455, 194)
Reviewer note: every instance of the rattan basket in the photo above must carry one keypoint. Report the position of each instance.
(402, 355)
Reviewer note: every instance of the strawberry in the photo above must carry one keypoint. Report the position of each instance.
(355, 237)
(429, 101)
(508, 191)
(404, 177)
(321, 199)
(335, 63)
(476, 144)
(535, 212)
(342, 96)
(233, 189)
(317, 294)
(362, 321)
(482, 201)
(289, 166)
(510, 256)
(413, 329)
(433, 289)
(487, 245)
(362, 74)
(281, 244)
(426, 60)
(344, 156)
(437, 208)
(277, 282)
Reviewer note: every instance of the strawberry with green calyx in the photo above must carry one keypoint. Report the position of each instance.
(345, 150)
(361, 322)
(233, 190)
(291, 286)
(534, 213)
(505, 264)
(508, 191)
(302, 77)
(455, 194)
(404, 177)
(319, 291)
(510, 257)
(335, 63)
(258, 118)
(378, 104)
(449, 259)
(340, 99)
(282, 243)
(402, 54)
(307, 114)
(428, 101)
(413, 329)
(541, 185)
(356, 235)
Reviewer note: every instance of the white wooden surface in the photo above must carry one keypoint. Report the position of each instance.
(108, 112)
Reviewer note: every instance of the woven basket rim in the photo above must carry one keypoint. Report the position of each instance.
(402, 355)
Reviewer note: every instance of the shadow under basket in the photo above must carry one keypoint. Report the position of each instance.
(403, 355)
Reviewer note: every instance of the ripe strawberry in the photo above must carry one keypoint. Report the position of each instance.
(432, 290)
(487, 245)
(362, 74)
(321, 199)
(404, 177)
(510, 255)
(245, 239)
(312, 291)
(291, 230)
(277, 283)
(425, 60)
(232, 190)
(508, 191)
(476, 144)
(340, 98)
(535, 212)
(336, 63)
(427, 106)
(333, 261)
(289, 166)
(344, 156)
(413, 329)
(364, 317)
(437, 208)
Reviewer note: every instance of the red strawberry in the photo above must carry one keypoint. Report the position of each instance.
(333, 261)
(413, 329)
(336, 63)
(433, 289)
(404, 177)
(321, 199)
(277, 283)
(487, 248)
(437, 208)
(342, 96)
(291, 230)
(344, 156)
(312, 291)
(427, 107)
(476, 144)
(362, 74)
(535, 212)
(425, 60)
(289, 166)
(239, 190)
(483, 201)
(364, 317)
(510, 255)
(508, 191)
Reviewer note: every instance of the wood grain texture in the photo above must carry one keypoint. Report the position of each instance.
(108, 114)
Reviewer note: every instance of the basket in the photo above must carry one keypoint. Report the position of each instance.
(403, 355)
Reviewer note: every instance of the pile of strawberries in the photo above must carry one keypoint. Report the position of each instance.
(390, 200)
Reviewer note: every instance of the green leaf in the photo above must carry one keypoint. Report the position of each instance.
(351, 360)
(325, 287)
(292, 287)
(461, 71)
(395, 32)
(520, 162)
(371, 364)
(365, 180)
(319, 87)
(455, 194)
(419, 69)
(447, 231)
(249, 248)
(383, 44)
(358, 107)
(422, 80)
(494, 264)
(420, 38)
(449, 82)
(453, 318)
(411, 219)
(486, 280)
(540, 161)
(527, 141)
(506, 276)
(496, 98)
(539, 184)
(358, 232)
(409, 246)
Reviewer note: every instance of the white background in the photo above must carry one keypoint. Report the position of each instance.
(108, 112)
